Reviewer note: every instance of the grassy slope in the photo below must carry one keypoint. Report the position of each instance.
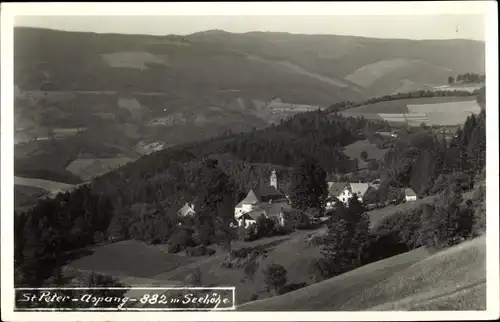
(413, 280)
(129, 258)
(399, 106)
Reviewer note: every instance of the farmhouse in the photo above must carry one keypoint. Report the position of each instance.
(266, 201)
(343, 191)
(410, 195)
(186, 210)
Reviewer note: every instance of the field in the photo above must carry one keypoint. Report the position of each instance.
(439, 111)
(26, 195)
(42, 184)
(467, 87)
(125, 260)
(366, 75)
(87, 169)
(417, 280)
(353, 151)
(129, 258)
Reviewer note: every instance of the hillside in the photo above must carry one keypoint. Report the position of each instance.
(453, 279)
(122, 96)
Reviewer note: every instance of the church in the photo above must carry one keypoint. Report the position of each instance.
(267, 200)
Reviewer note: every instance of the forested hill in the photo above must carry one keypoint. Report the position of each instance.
(249, 158)
(141, 200)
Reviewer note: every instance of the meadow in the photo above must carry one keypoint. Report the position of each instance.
(453, 279)
(438, 111)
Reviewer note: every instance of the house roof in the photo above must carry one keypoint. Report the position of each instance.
(335, 188)
(359, 188)
(267, 191)
(248, 217)
(270, 209)
(186, 210)
(410, 193)
(261, 194)
(250, 199)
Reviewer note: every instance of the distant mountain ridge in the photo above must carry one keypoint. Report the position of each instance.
(133, 91)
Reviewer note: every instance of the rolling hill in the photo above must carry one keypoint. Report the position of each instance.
(109, 96)
(453, 279)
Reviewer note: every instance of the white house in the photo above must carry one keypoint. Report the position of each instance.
(344, 191)
(186, 210)
(410, 195)
(266, 200)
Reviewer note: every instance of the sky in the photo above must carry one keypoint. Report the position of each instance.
(447, 26)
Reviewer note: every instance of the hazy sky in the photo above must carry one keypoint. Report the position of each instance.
(393, 26)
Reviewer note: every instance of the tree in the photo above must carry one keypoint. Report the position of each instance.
(265, 226)
(275, 277)
(214, 206)
(447, 225)
(364, 155)
(451, 80)
(347, 237)
(308, 185)
(250, 268)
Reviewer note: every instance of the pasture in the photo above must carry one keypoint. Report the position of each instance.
(416, 280)
(439, 111)
(26, 195)
(90, 168)
(42, 184)
(366, 75)
(129, 259)
(136, 60)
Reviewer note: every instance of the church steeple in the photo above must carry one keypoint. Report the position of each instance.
(273, 180)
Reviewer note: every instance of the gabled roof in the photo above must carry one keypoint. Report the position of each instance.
(336, 188)
(359, 188)
(251, 198)
(266, 192)
(410, 193)
(261, 194)
(186, 210)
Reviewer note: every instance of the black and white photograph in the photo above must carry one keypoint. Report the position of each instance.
(196, 164)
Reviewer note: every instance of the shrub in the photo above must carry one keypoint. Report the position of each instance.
(316, 240)
(275, 277)
(265, 227)
(226, 264)
(194, 279)
(254, 297)
(179, 241)
(200, 250)
(291, 287)
(319, 270)
(250, 269)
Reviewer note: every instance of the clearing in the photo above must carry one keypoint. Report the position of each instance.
(90, 168)
(353, 151)
(453, 279)
(138, 60)
(42, 184)
(441, 111)
(366, 75)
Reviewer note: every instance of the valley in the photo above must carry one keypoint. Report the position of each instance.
(310, 172)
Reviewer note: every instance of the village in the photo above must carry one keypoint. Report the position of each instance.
(271, 202)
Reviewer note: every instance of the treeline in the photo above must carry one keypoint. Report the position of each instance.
(343, 105)
(45, 234)
(425, 161)
(467, 78)
(349, 242)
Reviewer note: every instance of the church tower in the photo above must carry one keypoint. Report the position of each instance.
(274, 180)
